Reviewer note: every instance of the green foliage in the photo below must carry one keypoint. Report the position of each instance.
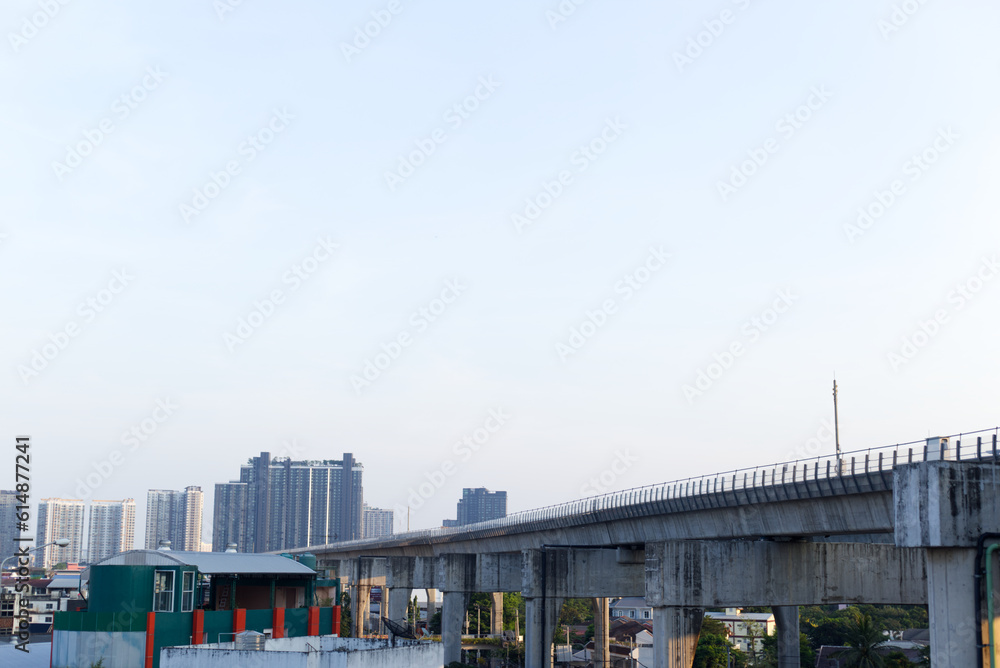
(99, 664)
(513, 610)
(345, 615)
(897, 660)
(714, 626)
(576, 611)
(434, 623)
(712, 649)
(865, 641)
(825, 625)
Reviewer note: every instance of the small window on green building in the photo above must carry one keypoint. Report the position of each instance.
(163, 591)
(187, 591)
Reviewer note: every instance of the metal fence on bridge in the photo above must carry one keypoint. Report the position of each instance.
(857, 471)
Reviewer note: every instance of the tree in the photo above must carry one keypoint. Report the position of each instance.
(712, 651)
(865, 642)
(897, 660)
(345, 615)
(754, 631)
(768, 657)
(714, 646)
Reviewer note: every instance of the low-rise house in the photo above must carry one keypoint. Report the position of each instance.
(141, 601)
(743, 626)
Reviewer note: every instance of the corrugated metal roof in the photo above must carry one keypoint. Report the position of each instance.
(65, 581)
(212, 563)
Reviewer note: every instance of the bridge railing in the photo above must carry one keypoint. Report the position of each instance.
(967, 446)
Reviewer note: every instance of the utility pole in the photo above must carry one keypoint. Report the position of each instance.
(836, 425)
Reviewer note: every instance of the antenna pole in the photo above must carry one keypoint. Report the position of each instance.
(836, 425)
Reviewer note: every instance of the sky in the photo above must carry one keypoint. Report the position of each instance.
(552, 248)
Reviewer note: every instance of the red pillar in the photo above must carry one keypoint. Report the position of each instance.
(150, 637)
(198, 627)
(313, 628)
(336, 620)
(239, 620)
(278, 623)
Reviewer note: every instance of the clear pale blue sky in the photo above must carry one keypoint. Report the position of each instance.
(495, 346)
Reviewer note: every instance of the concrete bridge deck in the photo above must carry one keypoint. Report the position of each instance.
(677, 543)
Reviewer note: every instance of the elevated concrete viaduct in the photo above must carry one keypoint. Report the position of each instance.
(733, 540)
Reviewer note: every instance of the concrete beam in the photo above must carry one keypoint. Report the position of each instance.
(411, 572)
(715, 574)
(580, 573)
(498, 572)
(945, 504)
(846, 505)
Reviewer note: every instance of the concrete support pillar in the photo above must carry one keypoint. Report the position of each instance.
(602, 645)
(951, 606)
(541, 616)
(360, 601)
(675, 636)
(395, 610)
(432, 595)
(452, 619)
(787, 619)
(496, 614)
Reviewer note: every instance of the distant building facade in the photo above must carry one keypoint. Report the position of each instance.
(281, 504)
(377, 522)
(8, 523)
(174, 516)
(480, 505)
(112, 529)
(60, 518)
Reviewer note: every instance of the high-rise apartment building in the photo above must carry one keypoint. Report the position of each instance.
(176, 517)
(479, 505)
(112, 529)
(280, 504)
(60, 518)
(377, 522)
(8, 523)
